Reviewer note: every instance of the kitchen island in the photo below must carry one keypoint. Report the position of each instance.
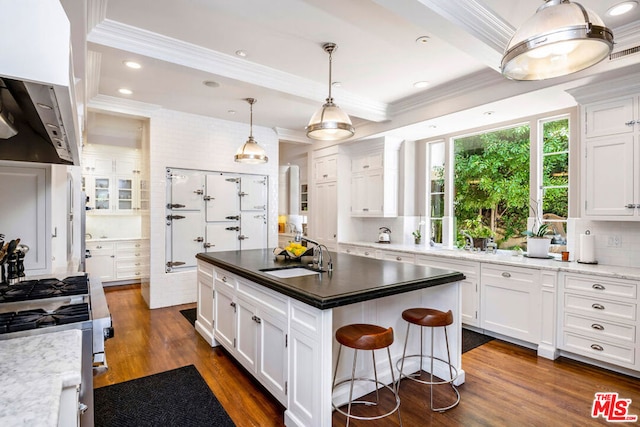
(282, 329)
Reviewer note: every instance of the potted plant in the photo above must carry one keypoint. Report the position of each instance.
(538, 243)
(478, 232)
(417, 234)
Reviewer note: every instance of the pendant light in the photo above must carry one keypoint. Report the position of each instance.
(330, 123)
(251, 152)
(561, 38)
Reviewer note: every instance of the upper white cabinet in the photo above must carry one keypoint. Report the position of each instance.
(324, 198)
(325, 168)
(374, 178)
(612, 159)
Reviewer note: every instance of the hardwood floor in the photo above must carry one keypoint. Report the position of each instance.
(506, 385)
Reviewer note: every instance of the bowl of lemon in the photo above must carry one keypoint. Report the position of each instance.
(293, 251)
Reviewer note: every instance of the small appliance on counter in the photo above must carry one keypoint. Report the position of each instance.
(384, 235)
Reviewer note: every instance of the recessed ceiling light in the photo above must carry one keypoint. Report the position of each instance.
(421, 84)
(432, 126)
(125, 91)
(232, 112)
(621, 8)
(489, 113)
(241, 53)
(422, 40)
(211, 83)
(336, 84)
(132, 64)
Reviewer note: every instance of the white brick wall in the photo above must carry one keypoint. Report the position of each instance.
(188, 141)
(626, 255)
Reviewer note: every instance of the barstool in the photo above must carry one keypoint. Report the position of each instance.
(429, 317)
(365, 337)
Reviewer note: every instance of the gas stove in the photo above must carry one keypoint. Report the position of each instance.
(42, 305)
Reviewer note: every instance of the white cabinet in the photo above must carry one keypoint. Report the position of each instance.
(325, 168)
(251, 323)
(612, 159)
(102, 261)
(599, 319)
(326, 217)
(124, 260)
(511, 301)
(357, 250)
(374, 179)
(469, 287)
(205, 309)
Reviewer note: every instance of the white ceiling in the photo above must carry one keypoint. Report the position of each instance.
(181, 44)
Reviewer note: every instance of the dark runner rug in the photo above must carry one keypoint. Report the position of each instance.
(190, 315)
(179, 397)
(472, 339)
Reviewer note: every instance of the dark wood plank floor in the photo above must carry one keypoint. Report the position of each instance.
(506, 385)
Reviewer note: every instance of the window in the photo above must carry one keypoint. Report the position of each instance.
(492, 185)
(555, 179)
(436, 190)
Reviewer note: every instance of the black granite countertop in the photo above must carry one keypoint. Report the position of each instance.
(353, 279)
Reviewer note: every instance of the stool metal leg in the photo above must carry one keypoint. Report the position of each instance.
(353, 375)
(396, 389)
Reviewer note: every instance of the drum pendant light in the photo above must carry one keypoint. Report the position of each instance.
(251, 152)
(561, 38)
(330, 123)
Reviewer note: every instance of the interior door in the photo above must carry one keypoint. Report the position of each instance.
(253, 193)
(187, 238)
(253, 230)
(222, 236)
(221, 198)
(187, 189)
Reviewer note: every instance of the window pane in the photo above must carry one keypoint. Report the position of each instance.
(492, 183)
(556, 136)
(437, 205)
(436, 188)
(436, 230)
(555, 170)
(555, 203)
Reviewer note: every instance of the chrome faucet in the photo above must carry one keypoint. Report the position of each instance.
(468, 239)
(317, 251)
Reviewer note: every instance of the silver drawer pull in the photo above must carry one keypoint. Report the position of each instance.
(630, 123)
(598, 327)
(98, 247)
(597, 347)
(224, 278)
(348, 251)
(366, 253)
(398, 258)
(597, 306)
(506, 274)
(598, 286)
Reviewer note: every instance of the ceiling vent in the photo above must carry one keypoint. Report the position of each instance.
(625, 52)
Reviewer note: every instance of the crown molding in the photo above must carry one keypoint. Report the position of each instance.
(626, 36)
(123, 106)
(96, 13)
(125, 37)
(292, 135)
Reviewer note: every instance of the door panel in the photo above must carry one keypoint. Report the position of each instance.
(254, 230)
(253, 192)
(187, 188)
(221, 199)
(220, 238)
(185, 233)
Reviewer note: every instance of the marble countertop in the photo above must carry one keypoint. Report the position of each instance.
(353, 279)
(33, 372)
(507, 258)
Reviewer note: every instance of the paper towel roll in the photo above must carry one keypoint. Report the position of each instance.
(587, 248)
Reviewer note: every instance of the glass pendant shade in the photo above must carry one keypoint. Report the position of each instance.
(250, 152)
(330, 123)
(560, 39)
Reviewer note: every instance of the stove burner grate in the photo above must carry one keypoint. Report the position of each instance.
(44, 288)
(39, 318)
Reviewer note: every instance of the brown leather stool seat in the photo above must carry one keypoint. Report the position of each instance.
(429, 318)
(362, 336)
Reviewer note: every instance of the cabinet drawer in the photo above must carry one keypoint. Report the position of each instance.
(225, 280)
(469, 269)
(510, 277)
(129, 273)
(600, 329)
(101, 248)
(596, 349)
(397, 256)
(599, 308)
(133, 263)
(133, 245)
(602, 286)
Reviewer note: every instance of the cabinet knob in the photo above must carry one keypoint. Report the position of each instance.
(398, 258)
(224, 279)
(506, 274)
(366, 253)
(598, 287)
(597, 306)
(98, 247)
(348, 251)
(598, 326)
(597, 347)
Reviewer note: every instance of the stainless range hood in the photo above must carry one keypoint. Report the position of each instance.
(38, 117)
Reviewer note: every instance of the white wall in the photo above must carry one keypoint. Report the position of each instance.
(188, 141)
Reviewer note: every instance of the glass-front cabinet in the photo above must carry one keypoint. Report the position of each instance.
(125, 194)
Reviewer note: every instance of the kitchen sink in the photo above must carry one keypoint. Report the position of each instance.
(289, 272)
